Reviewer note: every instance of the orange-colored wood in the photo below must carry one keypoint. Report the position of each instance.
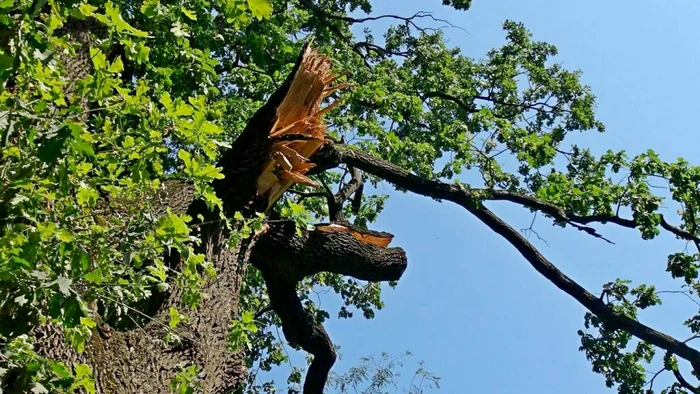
(299, 114)
(363, 237)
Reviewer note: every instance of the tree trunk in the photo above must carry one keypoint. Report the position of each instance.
(271, 154)
(138, 361)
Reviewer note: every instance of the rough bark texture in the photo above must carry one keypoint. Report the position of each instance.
(138, 361)
(285, 258)
(271, 154)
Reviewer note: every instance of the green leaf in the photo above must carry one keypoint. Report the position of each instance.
(149, 8)
(83, 168)
(143, 52)
(87, 9)
(158, 271)
(189, 14)
(260, 9)
(185, 156)
(211, 128)
(60, 370)
(79, 144)
(88, 322)
(87, 196)
(65, 235)
(6, 3)
(54, 22)
(82, 371)
(183, 110)
(6, 61)
(117, 65)
(179, 225)
(175, 317)
(179, 29)
(166, 100)
(209, 172)
(247, 317)
(119, 23)
(128, 142)
(46, 230)
(94, 276)
(458, 4)
(99, 59)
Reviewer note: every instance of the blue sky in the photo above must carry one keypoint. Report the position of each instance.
(469, 305)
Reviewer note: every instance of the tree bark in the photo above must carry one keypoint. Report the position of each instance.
(472, 200)
(285, 259)
(138, 361)
(269, 156)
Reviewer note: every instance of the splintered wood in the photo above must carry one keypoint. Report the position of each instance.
(298, 130)
(380, 239)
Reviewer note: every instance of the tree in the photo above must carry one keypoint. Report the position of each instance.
(161, 163)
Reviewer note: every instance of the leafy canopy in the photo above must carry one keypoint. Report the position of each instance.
(171, 83)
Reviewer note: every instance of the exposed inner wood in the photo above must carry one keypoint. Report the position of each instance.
(380, 239)
(298, 130)
(269, 156)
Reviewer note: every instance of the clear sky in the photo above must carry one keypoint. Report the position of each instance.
(469, 305)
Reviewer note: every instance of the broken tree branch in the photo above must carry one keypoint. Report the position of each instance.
(284, 258)
(272, 152)
(683, 382)
(271, 155)
(312, 252)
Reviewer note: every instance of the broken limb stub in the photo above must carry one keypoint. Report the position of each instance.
(283, 256)
(298, 130)
(378, 238)
(270, 155)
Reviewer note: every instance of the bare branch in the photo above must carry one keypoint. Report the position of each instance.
(409, 20)
(685, 383)
(285, 258)
(333, 155)
(335, 207)
(560, 214)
